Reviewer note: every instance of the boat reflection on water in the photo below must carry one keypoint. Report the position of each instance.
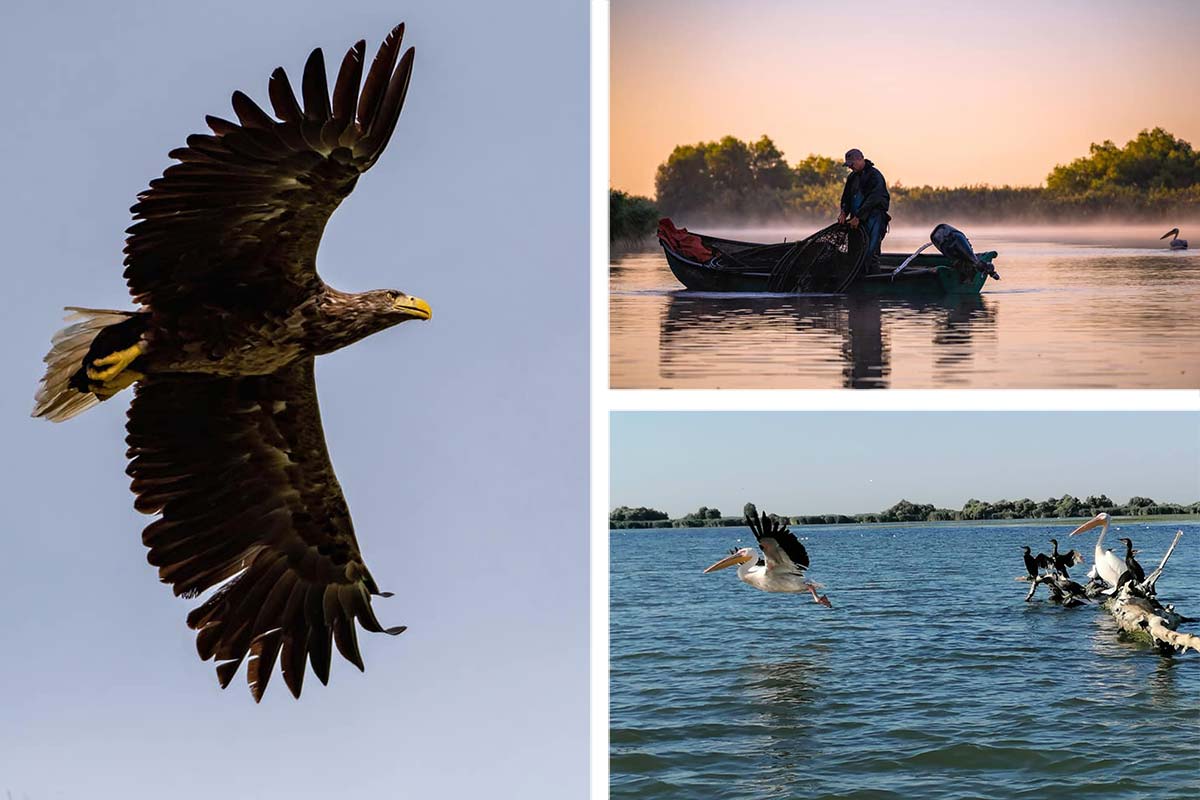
(807, 334)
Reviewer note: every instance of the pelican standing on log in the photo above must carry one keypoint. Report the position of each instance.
(1107, 567)
(1176, 243)
(784, 559)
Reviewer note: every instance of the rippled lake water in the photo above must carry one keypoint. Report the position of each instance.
(1076, 308)
(929, 677)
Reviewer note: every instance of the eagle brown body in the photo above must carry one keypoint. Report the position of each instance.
(224, 432)
(220, 343)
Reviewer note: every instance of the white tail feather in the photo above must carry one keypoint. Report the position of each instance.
(55, 399)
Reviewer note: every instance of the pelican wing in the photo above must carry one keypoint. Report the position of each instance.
(780, 546)
(250, 504)
(237, 223)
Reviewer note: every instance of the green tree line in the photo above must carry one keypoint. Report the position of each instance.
(639, 514)
(630, 217)
(1155, 175)
(1063, 507)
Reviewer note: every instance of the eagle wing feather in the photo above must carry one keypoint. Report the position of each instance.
(238, 221)
(250, 506)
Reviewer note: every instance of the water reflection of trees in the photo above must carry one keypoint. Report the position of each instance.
(850, 329)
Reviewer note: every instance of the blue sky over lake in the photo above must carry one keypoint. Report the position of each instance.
(846, 463)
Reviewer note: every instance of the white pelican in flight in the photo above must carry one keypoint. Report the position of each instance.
(784, 559)
(1176, 243)
(1108, 567)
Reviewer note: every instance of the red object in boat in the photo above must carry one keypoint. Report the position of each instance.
(688, 245)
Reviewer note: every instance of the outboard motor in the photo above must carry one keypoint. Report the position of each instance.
(953, 243)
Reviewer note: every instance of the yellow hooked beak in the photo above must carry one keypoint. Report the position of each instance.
(413, 306)
(1099, 519)
(728, 561)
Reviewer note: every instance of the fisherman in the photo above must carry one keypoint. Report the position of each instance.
(865, 202)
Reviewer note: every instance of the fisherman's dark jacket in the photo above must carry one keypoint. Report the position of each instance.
(871, 185)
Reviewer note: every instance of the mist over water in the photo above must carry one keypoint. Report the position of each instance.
(1077, 307)
(929, 677)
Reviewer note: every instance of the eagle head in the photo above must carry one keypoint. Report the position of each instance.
(398, 306)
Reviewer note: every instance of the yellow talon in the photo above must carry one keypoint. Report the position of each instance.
(119, 361)
(109, 388)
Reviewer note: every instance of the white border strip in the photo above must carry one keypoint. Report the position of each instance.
(600, 395)
(902, 400)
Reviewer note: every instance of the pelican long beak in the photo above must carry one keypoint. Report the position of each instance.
(728, 561)
(413, 307)
(1095, 521)
(1172, 232)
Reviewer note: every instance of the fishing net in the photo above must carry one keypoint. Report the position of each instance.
(827, 261)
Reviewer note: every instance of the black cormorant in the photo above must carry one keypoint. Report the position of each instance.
(1034, 563)
(1135, 571)
(1060, 561)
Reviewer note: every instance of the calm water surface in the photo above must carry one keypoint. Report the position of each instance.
(1076, 308)
(929, 678)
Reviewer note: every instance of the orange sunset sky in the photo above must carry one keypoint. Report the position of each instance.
(941, 93)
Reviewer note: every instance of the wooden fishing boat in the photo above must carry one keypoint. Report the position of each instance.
(927, 274)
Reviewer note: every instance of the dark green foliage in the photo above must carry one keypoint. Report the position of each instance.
(630, 217)
(1154, 176)
(729, 176)
(822, 519)
(905, 511)
(767, 166)
(702, 518)
(1052, 508)
(682, 182)
(625, 513)
(818, 171)
(1154, 160)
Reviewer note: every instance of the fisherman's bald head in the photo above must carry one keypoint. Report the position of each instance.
(855, 160)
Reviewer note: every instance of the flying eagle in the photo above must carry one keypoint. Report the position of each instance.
(224, 432)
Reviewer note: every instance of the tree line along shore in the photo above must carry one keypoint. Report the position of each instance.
(1153, 177)
(1065, 507)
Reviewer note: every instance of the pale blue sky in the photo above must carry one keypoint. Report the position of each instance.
(461, 443)
(845, 463)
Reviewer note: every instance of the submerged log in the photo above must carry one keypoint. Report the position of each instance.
(1139, 613)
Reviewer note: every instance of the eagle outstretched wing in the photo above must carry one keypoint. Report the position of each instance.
(237, 223)
(779, 545)
(239, 471)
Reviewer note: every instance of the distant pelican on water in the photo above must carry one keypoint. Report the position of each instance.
(1176, 243)
(784, 559)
